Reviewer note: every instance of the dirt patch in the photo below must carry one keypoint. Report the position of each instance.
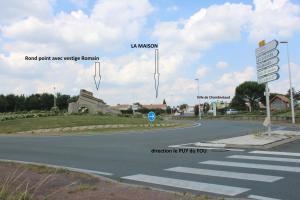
(41, 183)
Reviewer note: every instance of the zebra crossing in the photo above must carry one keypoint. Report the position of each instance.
(231, 163)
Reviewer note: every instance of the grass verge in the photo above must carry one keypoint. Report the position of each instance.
(30, 182)
(18, 125)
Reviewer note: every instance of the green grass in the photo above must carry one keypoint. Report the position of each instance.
(289, 114)
(17, 125)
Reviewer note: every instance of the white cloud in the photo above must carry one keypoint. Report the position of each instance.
(202, 71)
(215, 24)
(282, 85)
(14, 10)
(129, 77)
(76, 31)
(222, 65)
(236, 78)
(273, 19)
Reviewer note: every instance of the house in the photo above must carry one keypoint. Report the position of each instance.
(122, 107)
(88, 103)
(189, 111)
(155, 106)
(297, 104)
(280, 103)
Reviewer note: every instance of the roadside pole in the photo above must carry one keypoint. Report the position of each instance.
(267, 70)
(290, 78)
(199, 109)
(268, 109)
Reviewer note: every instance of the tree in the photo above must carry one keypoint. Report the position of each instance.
(73, 99)
(62, 101)
(11, 102)
(46, 101)
(164, 102)
(183, 106)
(3, 103)
(196, 110)
(206, 107)
(169, 110)
(248, 92)
(288, 94)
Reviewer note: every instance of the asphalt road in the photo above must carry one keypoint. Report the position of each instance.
(128, 157)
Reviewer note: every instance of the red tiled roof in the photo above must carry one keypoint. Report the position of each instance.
(155, 106)
(282, 98)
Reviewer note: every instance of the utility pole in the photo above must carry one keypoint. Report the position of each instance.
(197, 79)
(290, 77)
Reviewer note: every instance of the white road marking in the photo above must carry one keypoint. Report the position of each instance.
(265, 158)
(226, 174)
(252, 165)
(276, 153)
(60, 167)
(210, 148)
(260, 197)
(191, 185)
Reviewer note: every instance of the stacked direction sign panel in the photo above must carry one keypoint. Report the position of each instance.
(266, 62)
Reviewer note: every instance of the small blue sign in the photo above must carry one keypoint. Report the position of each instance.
(151, 116)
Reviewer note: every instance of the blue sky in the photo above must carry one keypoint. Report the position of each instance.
(214, 41)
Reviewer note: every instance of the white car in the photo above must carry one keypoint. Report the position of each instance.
(232, 111)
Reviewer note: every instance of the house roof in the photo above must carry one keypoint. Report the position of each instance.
(155, 106)
(282, 98)
(122, 106)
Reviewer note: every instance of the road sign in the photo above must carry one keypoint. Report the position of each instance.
(268, 70)
(268, 63)
(151, 116)
(267, 47)
(268, 78)
(270, 54)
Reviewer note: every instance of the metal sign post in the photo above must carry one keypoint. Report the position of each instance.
(268, 119)
(267, 68)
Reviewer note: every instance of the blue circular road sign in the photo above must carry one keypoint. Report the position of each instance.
(151, 116)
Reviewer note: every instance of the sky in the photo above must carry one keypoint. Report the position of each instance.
(212, 40)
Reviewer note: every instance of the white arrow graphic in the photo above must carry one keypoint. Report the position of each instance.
(97, 75)
(156, 72)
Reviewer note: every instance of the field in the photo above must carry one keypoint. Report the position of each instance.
(27, 124)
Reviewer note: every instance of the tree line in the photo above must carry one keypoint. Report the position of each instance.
(252, 93)
(45, 101)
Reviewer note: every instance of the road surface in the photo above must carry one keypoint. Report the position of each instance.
(127, 157)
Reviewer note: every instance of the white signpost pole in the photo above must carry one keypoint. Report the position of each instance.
(266, 63)
(268, 109)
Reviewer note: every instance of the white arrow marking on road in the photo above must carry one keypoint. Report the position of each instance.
(191, 185)
(226, 174)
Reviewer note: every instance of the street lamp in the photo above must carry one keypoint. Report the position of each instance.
(197, 79)
(290, 77)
